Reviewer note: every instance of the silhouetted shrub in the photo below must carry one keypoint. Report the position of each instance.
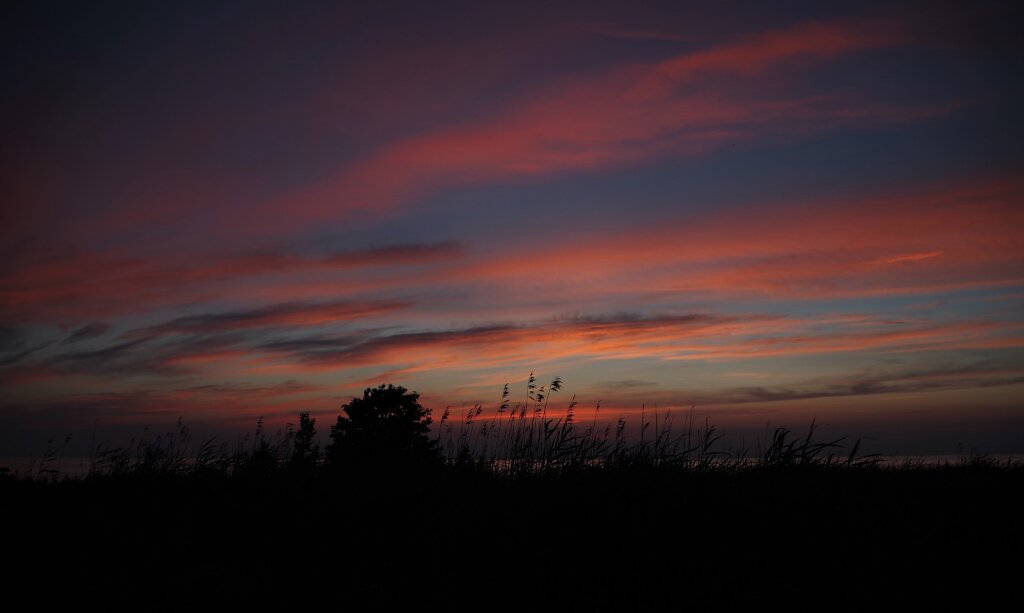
(387, 427)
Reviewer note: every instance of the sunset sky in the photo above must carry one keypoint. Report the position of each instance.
(771, 212)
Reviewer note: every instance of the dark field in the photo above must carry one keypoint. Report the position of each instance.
(567, 518)
(602, 539)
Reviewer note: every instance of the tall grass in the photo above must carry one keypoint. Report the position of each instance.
(510, 439)
(560, 510)
(525, 438)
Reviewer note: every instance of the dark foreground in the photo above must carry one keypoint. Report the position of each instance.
(615, 538)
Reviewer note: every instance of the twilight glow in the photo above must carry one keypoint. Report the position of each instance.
(225, 211)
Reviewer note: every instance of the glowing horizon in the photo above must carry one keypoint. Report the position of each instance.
(771, 215)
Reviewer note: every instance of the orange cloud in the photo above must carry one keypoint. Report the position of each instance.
(938, 238)
(659, 338)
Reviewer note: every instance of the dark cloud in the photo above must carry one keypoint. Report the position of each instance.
(168, 348)
(627, 384)
(347, 349)
(312, 344)
(290, 386)
(98, 357)
(982, 374)
(277, 315)
(320, 350)
(14, 358)
(87, 284)
(627, 317)
(90, 330)
(625, 320)
(143, 356)
(12, 339)
(15, 346)
(397, 254)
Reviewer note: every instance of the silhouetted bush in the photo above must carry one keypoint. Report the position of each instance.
(544, 509)
(385, 428)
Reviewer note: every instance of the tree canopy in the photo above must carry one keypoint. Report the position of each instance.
(387, 426)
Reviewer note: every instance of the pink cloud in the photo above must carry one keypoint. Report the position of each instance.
(623, 115)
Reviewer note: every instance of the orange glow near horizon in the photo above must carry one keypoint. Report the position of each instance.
(767, 215)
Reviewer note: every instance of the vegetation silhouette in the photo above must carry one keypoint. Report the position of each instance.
(386, 429)
(549, 512)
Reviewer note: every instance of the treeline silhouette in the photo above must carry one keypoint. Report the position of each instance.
(517, 509)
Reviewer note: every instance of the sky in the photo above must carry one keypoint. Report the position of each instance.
(759, 213)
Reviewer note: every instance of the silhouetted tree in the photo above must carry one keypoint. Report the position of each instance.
(386, 427)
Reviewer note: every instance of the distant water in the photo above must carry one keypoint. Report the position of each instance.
(73, 467)
(79, 466)
(940, 460)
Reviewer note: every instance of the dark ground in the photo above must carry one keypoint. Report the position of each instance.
(629, 538)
